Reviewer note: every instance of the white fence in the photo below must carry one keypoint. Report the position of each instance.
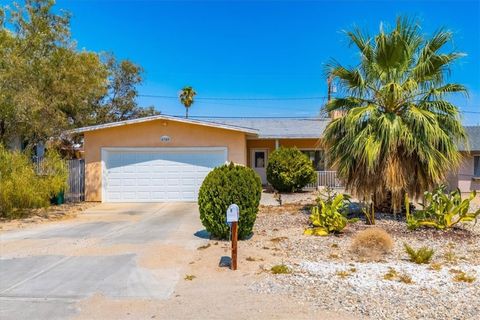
(325, 179)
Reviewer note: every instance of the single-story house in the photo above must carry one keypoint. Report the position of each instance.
(165, 158)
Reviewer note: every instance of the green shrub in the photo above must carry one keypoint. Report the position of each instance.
(21, 188)
(422, 255)
(222, 187)
(289, 170)
(328, 216)
(442, 210)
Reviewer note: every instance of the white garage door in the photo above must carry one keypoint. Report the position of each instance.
(157, 174)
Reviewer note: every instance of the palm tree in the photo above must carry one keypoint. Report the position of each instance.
(398, 132)
(186, 98)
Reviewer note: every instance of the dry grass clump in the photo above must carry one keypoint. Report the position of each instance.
(393, 275)
(372, 243)
(464, 277)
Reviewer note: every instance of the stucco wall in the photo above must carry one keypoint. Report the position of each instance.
(269, 144)
(465, 174)
(147, 134)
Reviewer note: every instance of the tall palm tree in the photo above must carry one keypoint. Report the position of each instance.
(398, 132)
(186, 98)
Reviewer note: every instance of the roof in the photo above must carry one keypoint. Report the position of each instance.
(267, 128)
(473, 133)
(280, 128)
(171, 118)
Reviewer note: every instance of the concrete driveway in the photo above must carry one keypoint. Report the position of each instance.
(120, 251)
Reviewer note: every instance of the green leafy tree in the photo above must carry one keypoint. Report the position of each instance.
(186, 98)
(48, 86)
(398, 131)
(120, 101)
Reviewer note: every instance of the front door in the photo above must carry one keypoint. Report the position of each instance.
(259, 163)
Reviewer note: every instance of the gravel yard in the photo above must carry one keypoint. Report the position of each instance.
(328, 275)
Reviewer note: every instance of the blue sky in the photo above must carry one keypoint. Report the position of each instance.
(267, 50)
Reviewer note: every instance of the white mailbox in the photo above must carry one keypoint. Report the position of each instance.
(232, 213)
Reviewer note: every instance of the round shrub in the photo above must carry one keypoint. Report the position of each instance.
(289, 170)
(222, 187)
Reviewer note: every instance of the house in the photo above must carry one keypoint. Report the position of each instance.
(467, 178)
(165, 158)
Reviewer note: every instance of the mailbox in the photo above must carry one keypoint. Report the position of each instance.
(232, 213)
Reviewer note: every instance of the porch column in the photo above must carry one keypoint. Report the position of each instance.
(277, 144)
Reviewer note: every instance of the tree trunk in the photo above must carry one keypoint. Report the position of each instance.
(186, 112)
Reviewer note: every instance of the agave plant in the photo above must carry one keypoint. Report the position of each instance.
(442, 210)
(398, 131)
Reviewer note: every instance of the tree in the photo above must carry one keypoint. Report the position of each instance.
(48, 86)
(398, 131)
(186, 98)
(120, 101)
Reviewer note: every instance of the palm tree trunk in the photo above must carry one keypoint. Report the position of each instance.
(186, 112)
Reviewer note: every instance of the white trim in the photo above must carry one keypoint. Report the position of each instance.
(252, 156)
(105, 150)
(170, 118)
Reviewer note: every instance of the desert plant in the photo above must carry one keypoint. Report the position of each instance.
(369, 212)
(328, 216)
(289, 170)
(222, 187)
(398, 131)
(391, 274)
(372, 243)
(462, 276)
(189, 277)
(22, 188)
(281, 269)
(442, 210)
(405, 278)
(420, 256)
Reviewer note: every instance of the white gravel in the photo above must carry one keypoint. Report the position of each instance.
(364, 292)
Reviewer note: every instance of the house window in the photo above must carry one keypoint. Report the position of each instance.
(476, 166)
(259, 159)
(317, 157)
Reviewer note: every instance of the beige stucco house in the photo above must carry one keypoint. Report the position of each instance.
(164, 158)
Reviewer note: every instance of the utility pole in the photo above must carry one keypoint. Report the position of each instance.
(329, 90)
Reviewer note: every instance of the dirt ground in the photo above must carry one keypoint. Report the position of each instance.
(213, 293)
(45, 215)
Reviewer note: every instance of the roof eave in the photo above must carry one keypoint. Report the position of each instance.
(162, 117)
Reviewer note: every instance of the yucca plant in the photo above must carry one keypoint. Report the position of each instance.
(398, 132)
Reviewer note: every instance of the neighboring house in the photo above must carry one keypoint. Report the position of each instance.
(467, 178)
(164, 158)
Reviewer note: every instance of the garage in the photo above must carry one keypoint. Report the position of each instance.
(157, 159)
(157, 174)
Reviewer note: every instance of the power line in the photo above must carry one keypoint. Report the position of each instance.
(235, 99)
(252, 117)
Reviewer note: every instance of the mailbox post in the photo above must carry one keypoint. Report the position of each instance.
(232, 220)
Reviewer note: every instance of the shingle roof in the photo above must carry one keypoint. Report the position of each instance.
(284, 128)
(280, 128)
(473, 137)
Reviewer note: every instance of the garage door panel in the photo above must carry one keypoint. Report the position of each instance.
(157, 175)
